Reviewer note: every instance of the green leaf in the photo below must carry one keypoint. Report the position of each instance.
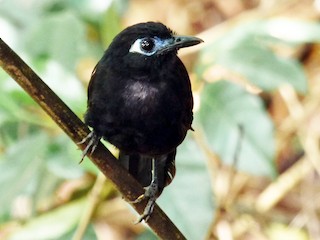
(245, 51)
(89, 234)
(110, 25)
(32, 168)
(63, 158)
(226, 106)
(60, 36)
(53, 224)
(188, 200)
(21, 168)
(14, 104)
(291, 30)
(147, 235)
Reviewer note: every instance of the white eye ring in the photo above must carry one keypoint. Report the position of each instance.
(136, 47)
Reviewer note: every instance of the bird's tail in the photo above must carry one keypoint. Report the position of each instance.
(140, 167)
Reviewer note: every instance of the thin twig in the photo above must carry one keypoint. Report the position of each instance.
(282, 185)
(76, 130)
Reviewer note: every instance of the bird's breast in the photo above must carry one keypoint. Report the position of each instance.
(141, 91)
(144, 96)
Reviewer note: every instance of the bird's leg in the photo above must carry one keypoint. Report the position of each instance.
(93, 143)
(151, 193)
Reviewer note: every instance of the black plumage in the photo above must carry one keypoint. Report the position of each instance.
(140, 100)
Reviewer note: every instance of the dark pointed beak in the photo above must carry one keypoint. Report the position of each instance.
(178, 42)
(185, 41)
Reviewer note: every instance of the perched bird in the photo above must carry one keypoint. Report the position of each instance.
(140, 100)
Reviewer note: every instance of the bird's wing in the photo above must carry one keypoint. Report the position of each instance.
(186, 94)
(91, 85)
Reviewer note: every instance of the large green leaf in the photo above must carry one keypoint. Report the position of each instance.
(15, 105)
(20, 169)
(226, 106)
(188, 201)
(33, 166)
(246, 51)
(53, 224)
(89, 234)
(291, 30)
(59, 36)
(64, 157)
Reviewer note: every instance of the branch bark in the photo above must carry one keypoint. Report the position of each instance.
(77, 130)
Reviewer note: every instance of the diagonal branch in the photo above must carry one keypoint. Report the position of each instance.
(76, 130)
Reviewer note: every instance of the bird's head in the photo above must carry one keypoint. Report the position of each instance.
(144, 44)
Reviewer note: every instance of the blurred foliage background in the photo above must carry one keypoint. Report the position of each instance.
(249, 171)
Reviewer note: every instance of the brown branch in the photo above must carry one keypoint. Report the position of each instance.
(76, 130)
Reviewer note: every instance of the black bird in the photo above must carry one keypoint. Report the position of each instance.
(140, 100)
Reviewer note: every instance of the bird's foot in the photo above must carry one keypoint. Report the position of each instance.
(93, 143)
(150, 193)
(147, 210)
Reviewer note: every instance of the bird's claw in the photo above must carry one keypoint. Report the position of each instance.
(147, 210)
(151, 192)
(93, 143)
(139, 199)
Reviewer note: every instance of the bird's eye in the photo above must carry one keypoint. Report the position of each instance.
(147, 44)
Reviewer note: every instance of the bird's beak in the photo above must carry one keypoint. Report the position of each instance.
(177, 42)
